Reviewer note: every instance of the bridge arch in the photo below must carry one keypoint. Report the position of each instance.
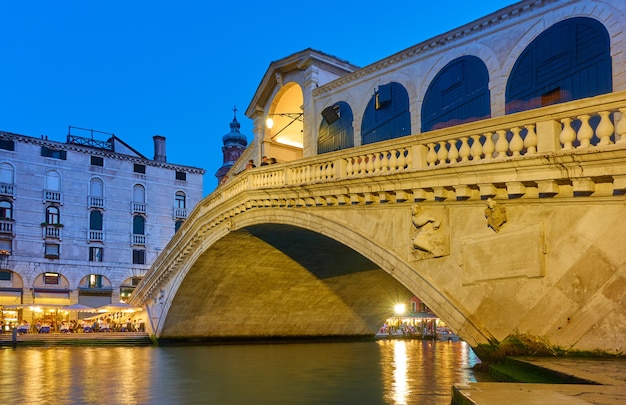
(350, 278)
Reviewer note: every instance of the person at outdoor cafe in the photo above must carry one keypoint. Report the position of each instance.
(64, 328)
(86, 326)
(104, 326)
(24, 327)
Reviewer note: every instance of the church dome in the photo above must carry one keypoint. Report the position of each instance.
(234, 137)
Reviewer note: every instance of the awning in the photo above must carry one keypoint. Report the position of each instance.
(10, 297)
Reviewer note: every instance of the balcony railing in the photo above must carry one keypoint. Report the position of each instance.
(138, 239)
(52, 196)
(7, 190)
(180, 213)
(96, 236)
(138, 207)
(52, 231)
(96, 202)
(6, 226)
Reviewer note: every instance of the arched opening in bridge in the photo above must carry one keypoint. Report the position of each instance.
(285, 125)
(569, 61)
(280, 281)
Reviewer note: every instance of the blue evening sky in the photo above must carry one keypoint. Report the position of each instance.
(137, 68)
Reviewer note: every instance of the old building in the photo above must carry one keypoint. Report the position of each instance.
(82, 220)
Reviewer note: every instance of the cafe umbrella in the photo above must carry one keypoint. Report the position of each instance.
(119, 307)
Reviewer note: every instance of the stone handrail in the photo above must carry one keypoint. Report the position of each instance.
(582, 126)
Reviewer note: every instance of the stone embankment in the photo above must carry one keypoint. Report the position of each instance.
(554, 381)
(78, 339)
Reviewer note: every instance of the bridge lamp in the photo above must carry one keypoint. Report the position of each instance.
(290, 118)
(399, 309)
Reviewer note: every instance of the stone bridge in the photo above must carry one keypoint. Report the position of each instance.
(511, 226)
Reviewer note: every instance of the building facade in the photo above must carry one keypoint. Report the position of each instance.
(81, 221)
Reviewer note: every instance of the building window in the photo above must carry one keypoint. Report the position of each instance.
(140, 168)
(95, 281)
(180, 200)
(6, 246)
(97, 161)
(95, 254)
(52, 250)
(53, 153)
(7, 144)
(177, 225)
(139, 256)
(53, 216)
(6, 173)
(95, 220)
(53, 181)
(181, 176)
(139, 225)
(6, 210)
(6, 275)
(51, 278)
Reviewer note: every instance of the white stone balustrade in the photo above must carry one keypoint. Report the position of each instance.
(95, 236)
(7, 190)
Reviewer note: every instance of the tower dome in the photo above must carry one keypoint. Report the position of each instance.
(234, 145)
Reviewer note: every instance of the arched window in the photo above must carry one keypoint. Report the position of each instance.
(336, 130)
(139, 194)
(53, 181)
(139, 225)
(387, 114)
(95, 220)
(458, 94)
(96, 188)
(568, 61)
(6, 210)
(180, 200)
(53, 215)
(6, 173)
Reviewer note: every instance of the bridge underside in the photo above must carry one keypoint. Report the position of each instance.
(274, 281)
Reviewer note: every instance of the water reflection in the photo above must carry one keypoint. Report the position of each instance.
(423, 371)
(381, 372)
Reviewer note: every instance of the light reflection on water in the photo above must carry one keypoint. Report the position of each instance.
(381, 372)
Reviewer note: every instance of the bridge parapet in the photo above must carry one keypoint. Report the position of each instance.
(533, 154)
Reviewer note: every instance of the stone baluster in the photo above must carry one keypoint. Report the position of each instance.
(620, 129)
(464, 151)
(401, 161)
(530, 141)
(377, 161)
(384, 161)
(362, 163)
(393, 160)
(488, 146)
(502, 145)
(442, 154)
(605, 128)
(585, 133)
(349, 167)
(370, 163)
(453, 153)
(431, 156)
(568, 135)
(517, 143)
(477, 148)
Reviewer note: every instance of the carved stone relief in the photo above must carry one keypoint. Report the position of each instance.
(495, 214)
(430, 232)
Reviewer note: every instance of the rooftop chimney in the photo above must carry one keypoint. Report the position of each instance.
(159, 148)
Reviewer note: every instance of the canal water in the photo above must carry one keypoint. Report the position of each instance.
(376, 372)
